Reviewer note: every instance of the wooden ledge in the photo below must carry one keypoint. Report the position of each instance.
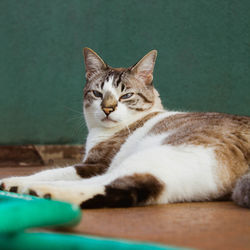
(40, 155)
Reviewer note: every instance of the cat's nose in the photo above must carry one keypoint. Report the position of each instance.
(109, 103)
(107, 111)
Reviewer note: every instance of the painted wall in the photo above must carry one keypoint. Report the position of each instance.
(203, 62)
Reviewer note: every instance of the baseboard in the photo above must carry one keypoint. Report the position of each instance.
(40, 155)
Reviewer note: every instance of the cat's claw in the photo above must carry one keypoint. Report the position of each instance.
(14, 184)
(56, 193)
(2, 187)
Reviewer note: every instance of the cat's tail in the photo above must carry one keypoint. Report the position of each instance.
(241, 192)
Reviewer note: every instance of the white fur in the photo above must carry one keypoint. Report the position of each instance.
(108, 87)
(187, 171)
(95, 136)
(51, 175)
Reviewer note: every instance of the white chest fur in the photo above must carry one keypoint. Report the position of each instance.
(97, 135)
(139, 140)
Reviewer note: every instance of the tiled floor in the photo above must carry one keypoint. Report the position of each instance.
(200, 225)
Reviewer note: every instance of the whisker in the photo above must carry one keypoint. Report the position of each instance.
(74, 110)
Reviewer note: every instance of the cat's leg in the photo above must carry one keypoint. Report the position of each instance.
(158, 175)
(241, 192)
(108, 190)
(51, 175)
(76, 172)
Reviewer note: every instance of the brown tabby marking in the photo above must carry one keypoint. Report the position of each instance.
(145, 98)
(228, 134)
(90, 169)
(126, 192)
(100, 156)
(32, 192)
(47, 196)
(13, 189)
(2, 186)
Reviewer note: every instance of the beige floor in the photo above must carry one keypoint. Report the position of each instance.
(206, 225)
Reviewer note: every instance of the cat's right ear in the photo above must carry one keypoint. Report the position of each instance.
(93, 63)
(143, 70)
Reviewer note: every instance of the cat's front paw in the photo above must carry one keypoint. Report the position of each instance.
(60, 190)
(14, 184)
(56, 192)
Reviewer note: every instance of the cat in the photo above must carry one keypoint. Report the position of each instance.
(138, 153)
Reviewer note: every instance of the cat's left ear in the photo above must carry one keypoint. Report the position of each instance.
(143, 70)
(93, 62)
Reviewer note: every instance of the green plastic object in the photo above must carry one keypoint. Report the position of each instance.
(44, 241)
(18, 212)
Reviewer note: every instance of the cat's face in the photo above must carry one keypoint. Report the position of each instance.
(116, 96)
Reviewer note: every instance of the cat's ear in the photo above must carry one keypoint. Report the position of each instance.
(93, 62)
(143, 70)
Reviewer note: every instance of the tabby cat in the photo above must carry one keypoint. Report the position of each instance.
(138, 153)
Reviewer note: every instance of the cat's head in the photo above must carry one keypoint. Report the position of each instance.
(117, 96)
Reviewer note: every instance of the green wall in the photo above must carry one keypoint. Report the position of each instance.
(203, 62)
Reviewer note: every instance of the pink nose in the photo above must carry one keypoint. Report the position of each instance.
(107, 111)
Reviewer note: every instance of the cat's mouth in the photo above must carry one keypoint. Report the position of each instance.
(107, 119)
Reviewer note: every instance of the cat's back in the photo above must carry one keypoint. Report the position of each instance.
(193, 127)
(187, 125)
(217, 130)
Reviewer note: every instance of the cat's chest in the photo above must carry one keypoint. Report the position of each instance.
(97, 138)
(103, 151)
(140, 140)
(112, 149)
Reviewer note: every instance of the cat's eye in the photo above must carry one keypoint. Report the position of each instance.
(97, 93)
(126, 96)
